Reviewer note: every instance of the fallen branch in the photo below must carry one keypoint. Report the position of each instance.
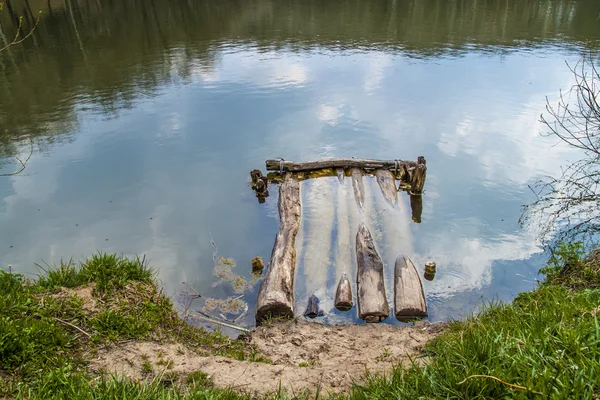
(216, 321)
(73, 326)
(511, 385)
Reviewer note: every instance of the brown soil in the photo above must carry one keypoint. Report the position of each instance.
(305, 356)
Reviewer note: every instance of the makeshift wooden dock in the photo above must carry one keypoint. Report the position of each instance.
(276, 294)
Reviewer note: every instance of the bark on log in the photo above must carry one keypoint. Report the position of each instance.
(409, 299)
(418, 176)
(290, 166)
(387, 184)
(359, 187)
(372, 300)
(343, 294)
(276, 294)
(312, 309)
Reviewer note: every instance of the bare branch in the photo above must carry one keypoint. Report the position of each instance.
(23, 163)
(16, 40)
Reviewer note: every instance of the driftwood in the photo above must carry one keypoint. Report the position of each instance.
(343, 294)
(409, 299)
(276, 294)
(290, 166)
(387, 184)
(312, 309)
(372, 301)
(359, 187)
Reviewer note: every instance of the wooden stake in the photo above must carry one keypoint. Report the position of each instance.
(409, 299)
(372, 301)
(343, 294)
(276, 294)
(387, 184)
(418, 175)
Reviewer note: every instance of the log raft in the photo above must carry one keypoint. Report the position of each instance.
(276, 294)
(409, 299)
(372, 300)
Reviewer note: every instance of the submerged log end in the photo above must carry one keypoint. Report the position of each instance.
(343, 294)
(274, 310)
(409, 298)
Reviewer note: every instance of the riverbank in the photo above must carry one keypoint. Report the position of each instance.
(103, 329)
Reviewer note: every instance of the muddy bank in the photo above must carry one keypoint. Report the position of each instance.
(305, 356)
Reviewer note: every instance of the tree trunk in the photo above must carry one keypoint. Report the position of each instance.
(276, 294)
(312, 309)
(343, 294)
(372, 301)
(409, 299)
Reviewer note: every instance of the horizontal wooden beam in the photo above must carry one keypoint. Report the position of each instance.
(290, 166)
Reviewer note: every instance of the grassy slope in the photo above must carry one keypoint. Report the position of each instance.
(547, 341)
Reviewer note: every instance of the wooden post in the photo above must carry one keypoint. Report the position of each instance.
(312, 309)
(343, 294)
(387, 184)
(359, 187)
(418, 176)
(409, 299)
(276, 294)
(372, 301)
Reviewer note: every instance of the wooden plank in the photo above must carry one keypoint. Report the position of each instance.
(276, 293)
(291, 166)
(343, 294)
(372, 300)
(387, 184)
(409, 299)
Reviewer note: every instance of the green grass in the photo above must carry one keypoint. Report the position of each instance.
(546, 344)
(46, 327)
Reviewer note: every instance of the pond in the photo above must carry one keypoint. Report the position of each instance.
(146, 118)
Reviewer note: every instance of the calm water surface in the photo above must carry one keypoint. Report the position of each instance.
(147, 117)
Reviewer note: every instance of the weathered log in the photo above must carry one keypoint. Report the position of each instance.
(418, 176)
(359, 187)
(387, 184)
(343, 294)
(312, 308)
(276, 294)
(372, 300)
(416, 207)
(409, 299)
(290, 166)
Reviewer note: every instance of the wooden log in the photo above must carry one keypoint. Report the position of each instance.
(290, 166)
(418, 176)
(409, 299)
(387, 184)
(416, 207)
(276, 293)
(359, 187)
(343, 294)
(312, 308)
(372, 300)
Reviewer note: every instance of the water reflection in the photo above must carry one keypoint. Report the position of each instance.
(148, 117)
